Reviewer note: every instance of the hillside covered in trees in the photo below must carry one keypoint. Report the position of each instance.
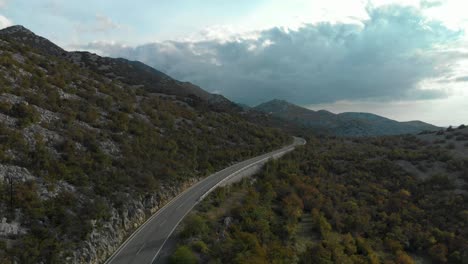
(86, 153)
(400, 199)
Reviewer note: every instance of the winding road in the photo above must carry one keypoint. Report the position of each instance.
(149, 244)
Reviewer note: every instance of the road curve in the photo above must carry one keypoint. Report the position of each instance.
(146, 243)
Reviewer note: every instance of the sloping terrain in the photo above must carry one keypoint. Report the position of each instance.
(453, 139)
(91, 150)
(132, 73)
(394, 199)
(344, 124)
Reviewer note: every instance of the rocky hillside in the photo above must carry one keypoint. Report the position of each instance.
(91, 146)
(344, 124)
(132, 73)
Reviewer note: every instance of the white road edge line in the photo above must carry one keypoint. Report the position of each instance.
(129, 239)
(138, 230)
(210, 190)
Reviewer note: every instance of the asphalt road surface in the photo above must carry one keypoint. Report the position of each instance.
(149, 244)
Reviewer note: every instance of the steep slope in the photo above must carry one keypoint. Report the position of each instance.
(91, 155)
(344, 124)
(132, 73)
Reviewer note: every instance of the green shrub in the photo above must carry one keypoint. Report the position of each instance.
(200, 247)
(90, 116)
(5, 107)
(26, 114)
(195, 226)
(183, 255)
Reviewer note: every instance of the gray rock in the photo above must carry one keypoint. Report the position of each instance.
(227, 221)
(10, 229)
(11, 98)
(17, 173)
(105, 240)
(46, 115)
(50, 137)
(18, 57)
(8, 120)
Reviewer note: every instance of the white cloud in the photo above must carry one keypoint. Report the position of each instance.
(371, 56)
(293, 14)
(104, 23)
(101, 24)
(396, 54)
(451, 12)
(4, 22)
(451, 111)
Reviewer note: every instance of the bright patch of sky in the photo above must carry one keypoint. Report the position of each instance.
(136, 22)
(292, 49)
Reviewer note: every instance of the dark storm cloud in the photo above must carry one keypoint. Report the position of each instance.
(384, 58)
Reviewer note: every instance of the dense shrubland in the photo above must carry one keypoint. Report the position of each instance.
(91, 143)
(362, 206)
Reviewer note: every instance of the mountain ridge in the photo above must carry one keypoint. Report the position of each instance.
(343, 124)
(133, 73)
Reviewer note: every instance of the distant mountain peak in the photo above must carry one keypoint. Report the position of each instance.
(277, 103)
(16, 29)
(26, 37)
(323, 111)
(275, 106)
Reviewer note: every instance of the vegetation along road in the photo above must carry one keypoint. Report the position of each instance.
(147, 244)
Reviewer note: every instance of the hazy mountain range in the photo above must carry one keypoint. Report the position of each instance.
(344, 124)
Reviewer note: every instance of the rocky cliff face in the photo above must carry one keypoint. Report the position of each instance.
(105, 240)
(106, 237)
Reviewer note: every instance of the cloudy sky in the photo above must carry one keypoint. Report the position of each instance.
(405, 59)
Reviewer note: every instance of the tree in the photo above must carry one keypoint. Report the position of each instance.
(195, 226)
(26, 114)
(293, 206)
(403, 258)
(439, 252)
(183, 255)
